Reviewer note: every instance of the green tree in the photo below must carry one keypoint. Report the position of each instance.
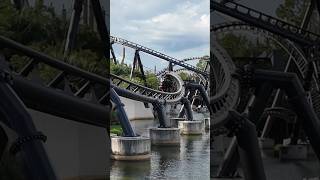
(292, 11)
(201, 64)
(122, 70)
(41, 29)
(241, 46)
(185, 76)
(152, 81)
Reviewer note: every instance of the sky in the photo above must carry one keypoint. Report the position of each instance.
(178, 28)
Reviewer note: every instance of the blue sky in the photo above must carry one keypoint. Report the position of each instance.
(178, 28)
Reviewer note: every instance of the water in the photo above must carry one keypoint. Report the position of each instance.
(189, 161)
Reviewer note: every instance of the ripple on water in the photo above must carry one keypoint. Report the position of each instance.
(189, 161)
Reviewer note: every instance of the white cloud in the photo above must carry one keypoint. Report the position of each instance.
(175, 28)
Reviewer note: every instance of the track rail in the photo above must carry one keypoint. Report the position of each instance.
(89, 87)
(157, 54)
(266, 22)
(195, 58)
(168, 97)
(289, 47)
(227, 88)
(184, 60)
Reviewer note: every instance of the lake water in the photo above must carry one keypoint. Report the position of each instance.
(189, 161)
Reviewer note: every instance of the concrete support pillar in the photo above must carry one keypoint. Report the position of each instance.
(130, 148)
(191, 127)
(175, 121)
(165, 136)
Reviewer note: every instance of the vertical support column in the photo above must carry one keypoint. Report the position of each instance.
(228, 167)
(31, 150)
(124, 121)
(134, 64)
(187, 109)
(170, 67)
(138, 64)
(141, 68)
(297, 97)
(102, 26)
(161, 113)
(268, 123)
(90, 14)
(85, 11)
(248, 146)
(73, 27)
(113, 54)
(123, 55)
(203, 94)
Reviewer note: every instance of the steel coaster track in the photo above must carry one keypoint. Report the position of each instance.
(89, 82)
(184, 60)
(202, 79)
(195, 58)
(292, 49)
(287, 45)
(227, 88)
(266, 22)
(58, 97)
(167, 97)
(157, 54)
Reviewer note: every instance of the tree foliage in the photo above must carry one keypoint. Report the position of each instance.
(292, 11)
(41, 29)
(124, 70)
(242, 46)
(201, 64)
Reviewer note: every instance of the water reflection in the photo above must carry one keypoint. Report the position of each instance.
(125, 170)
(190, 160)
(164, 160)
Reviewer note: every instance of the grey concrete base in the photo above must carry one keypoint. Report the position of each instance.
(130, 148)
(175, 121)
(266, 143)
(293, 152)
(165, 136)
(207, 123)
(191, 127)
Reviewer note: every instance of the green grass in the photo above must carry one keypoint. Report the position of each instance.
(116, 129)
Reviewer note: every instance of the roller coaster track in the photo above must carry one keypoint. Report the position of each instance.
(70, 92)
(266, 22)
(202, 79)
(226, 88)
(184, 60)
(195, 58)
(167, 97)
(88, 83)
(289, 47)
(157, 54)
